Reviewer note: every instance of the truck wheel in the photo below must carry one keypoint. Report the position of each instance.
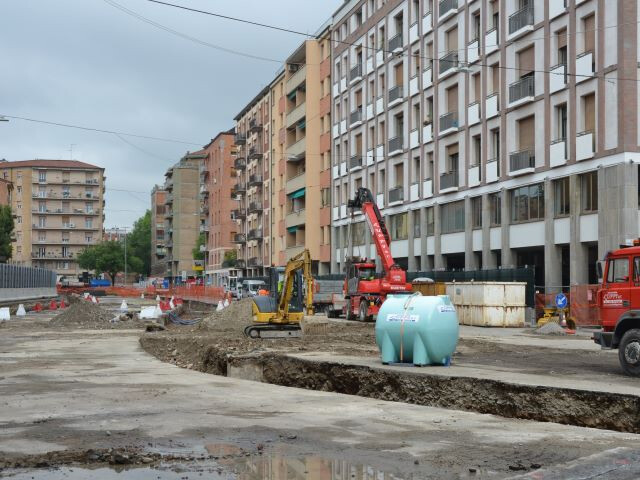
(629, 352)
(363, 313)
(349, 315)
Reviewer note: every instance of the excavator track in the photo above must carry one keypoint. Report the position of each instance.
(273, 331)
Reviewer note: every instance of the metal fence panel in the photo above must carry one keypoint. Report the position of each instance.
(14, 276)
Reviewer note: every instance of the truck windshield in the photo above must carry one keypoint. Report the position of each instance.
(366, 273)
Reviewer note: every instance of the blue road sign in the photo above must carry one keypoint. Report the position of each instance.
(561, 300)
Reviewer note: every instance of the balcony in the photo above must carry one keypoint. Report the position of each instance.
(240, 263)
(585, 145)
(355, 162)
(473, 113)
(448, 8)
(448, 63)
(396, 194)
(449, 182)
(238, 214)
(522, 161)
(522, 91)
(558, 78)
(492, 105)
(239, 164)
(255, 207)
(449, 123)
(204, 228)
(473, 50)
(255, 125)
(255, 180)
(255, 234)
(204, 208)
(296, 79)
(297, 151)
(296, 183)
(558, 152)
(356, 116)
(239, 238)
(395, 145)
(355, 73)
(295, 219)
(240, 139)
(521, 22)
(395, 43)
(585, 66)
(295, 115)
(395, 95)
(254, 262)
(493, 170)
(491, 39)
(238, 189)
(255, 153)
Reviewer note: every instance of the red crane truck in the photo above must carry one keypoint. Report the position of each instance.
(364, 290)
(618, 300)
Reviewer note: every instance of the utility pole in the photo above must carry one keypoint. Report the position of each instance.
(125, 256)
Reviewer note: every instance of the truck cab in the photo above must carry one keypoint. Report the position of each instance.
(618, 301)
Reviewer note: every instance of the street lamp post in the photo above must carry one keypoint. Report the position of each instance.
(125, 252)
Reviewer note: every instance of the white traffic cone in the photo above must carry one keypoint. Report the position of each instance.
(21, 312)
(226, 302)
(123, 305)
(171, 304)
(142, 296)
(157, 313)
(94, 299)
(219, 307)
(157, 298)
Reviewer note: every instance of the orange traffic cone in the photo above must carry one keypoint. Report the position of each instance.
(62, 304)
(37, 308)
(52, 305)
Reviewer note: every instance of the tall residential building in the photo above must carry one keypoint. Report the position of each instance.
(158, 232)
(492, 133)
(252, 192)
(304, 171)
(277, 141)
(219, 178)
(6, 187)
(59, 210)
(182, 215)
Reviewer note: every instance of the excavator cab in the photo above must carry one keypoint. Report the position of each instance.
(268, 305)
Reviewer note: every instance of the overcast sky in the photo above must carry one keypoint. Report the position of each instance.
(84, 62)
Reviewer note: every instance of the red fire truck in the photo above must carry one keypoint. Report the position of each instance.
(619, 304)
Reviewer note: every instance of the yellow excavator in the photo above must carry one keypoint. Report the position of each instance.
(290, 298)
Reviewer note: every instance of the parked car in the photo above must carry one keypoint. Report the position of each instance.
(250, 288)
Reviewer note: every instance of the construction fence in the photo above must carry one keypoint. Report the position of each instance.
(25, 283)
(582, 302)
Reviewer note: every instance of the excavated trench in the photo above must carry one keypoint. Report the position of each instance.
(582, 408)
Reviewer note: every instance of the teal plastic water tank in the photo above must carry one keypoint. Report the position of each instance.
(417, 329)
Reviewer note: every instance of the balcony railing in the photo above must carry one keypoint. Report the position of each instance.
(355, 72)
(240, 263)
(449, 61)
(240, 139)
(255, 180)
(238, 214)
(255, 207)
(254, 262)
(521, 19)
(356, 116)
(255, 152)
(449, 180)
(355, 161)
(522, 160)
(448, 120)
(395, 144)
(395, 42)
(523, 88)
(396, 194)
(255, 234)
(239, 188)
(255, 125)
(239, 238)
(239, 164)
(446, 6)
(396, 93)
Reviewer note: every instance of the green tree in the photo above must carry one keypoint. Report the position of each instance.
(6, 232)
(139, 245)
(104, 257)
(230, 258)
(197, 254)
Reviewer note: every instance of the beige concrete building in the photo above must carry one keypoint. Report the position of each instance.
(158, 232)
(59, 209)
(183, 217)
(252, 193)
(6, 187)
(277, 143)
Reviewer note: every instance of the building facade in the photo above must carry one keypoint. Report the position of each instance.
(6, 188)
(158, 232)
(114, 234)
(183, 218)
(59, 211)
(492, 133)
(219, 177)
(252, 191)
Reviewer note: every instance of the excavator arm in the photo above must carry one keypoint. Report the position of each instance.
(301, 261)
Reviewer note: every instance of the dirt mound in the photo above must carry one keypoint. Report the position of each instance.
(88, 315)
(232, 319)
(550, 328)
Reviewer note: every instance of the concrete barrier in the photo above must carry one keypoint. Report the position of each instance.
(23, 294)
(489, 304)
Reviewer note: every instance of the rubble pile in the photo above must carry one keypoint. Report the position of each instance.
(84, 314)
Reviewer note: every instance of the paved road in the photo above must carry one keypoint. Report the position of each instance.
(79, 390)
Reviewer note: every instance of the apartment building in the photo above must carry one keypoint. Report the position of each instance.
(183, 217)
(59, 211)
(158, 232)
(492, 133)
(302, 111)
(252, 191)
(218, 180)
(6, 187)
(114, 234)
(277, 143)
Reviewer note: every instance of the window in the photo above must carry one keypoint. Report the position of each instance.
(416, 223)
(618, 271)
(42, 222)
(88, 222)
(476, 212)
(398, 224)
(589, 30)
(561, 197)
(325, 197)
(477, 151)
(42, 236)
(430, 222)
(452, 217)
(358, 233)
(589, 187)
(88, 207)
(561, 119)
(42, 207)
(561, 37)
(527, 203)
(495, 209)
(42, 177)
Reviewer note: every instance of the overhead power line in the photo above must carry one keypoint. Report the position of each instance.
(92, 129)
(366, 47)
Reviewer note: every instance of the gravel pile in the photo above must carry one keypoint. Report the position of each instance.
(550, 328)
(88, 315)
(232, 319)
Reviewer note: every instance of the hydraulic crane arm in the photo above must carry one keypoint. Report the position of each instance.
(301, 261)
(364, 201)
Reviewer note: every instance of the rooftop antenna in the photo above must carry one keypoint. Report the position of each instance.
(71, 150)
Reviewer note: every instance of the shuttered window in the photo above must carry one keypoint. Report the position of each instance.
(526, 129)
(589, 29)
(526, 61)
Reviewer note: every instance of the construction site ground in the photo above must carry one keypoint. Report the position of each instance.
(81, 398)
